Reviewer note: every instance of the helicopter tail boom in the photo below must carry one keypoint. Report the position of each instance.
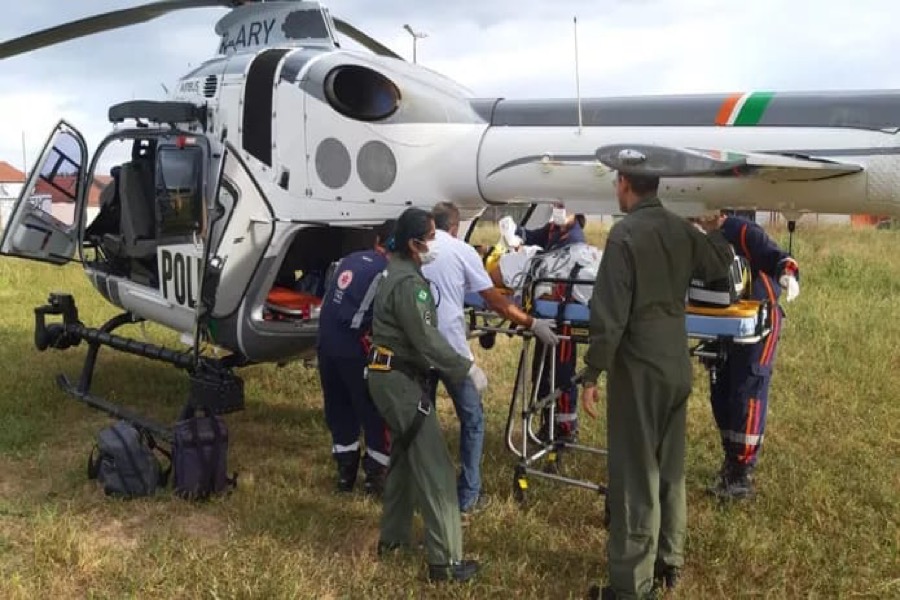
(838, 171)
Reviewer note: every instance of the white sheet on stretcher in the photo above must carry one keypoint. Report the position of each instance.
(529, 261)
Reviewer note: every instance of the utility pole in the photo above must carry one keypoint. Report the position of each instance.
(416, 36)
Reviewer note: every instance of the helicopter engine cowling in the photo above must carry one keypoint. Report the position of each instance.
(359, 134)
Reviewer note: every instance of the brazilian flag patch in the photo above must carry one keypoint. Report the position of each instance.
(422, 296)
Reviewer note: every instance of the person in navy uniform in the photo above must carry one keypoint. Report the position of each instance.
(345, 325)
(561, 231)
(739, 391)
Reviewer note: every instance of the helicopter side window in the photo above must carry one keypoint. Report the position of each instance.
(179, 191)
(55, 191)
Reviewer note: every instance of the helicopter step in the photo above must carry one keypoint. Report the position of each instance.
(213, 388)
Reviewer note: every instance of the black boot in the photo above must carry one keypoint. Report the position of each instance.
(735, 482)
(347, 468)
(666, 576)
(462, 570)
(597, 593)
(374, 483)
(387, 548)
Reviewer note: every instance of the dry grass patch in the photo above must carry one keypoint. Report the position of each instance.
(825, 524)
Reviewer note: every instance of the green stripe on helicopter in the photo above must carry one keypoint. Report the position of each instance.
(743, 109)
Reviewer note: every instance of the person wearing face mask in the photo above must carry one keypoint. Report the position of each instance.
(457, 269)
(408, 352)
(561, 231)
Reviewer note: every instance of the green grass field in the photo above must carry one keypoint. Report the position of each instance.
(824, 526)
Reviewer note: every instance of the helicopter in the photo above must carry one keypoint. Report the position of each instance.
(279, 154)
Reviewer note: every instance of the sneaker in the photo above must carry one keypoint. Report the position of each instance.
(462, 570)
(481, 503)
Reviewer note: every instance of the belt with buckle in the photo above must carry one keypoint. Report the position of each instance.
(383, 360)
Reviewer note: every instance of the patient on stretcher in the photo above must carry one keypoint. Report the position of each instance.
(715, 310)
(513, 269)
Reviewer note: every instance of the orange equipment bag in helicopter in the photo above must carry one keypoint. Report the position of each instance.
(284, 303)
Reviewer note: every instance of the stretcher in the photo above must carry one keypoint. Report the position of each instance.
(710, 329)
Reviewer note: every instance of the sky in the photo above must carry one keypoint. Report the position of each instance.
(512, 49)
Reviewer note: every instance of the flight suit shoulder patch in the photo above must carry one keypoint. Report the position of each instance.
(422, 295)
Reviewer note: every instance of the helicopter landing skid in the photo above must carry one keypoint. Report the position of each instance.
(214, 388)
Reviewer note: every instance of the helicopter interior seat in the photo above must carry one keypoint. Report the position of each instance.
(136, 186)
(138, 209)
(105, 230)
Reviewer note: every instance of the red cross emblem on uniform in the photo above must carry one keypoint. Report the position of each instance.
(344, 279)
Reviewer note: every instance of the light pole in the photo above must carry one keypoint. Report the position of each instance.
(416, 36)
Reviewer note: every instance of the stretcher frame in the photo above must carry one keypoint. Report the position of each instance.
(542, 458)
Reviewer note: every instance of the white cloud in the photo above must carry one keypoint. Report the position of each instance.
(496, 48)
(37, 113)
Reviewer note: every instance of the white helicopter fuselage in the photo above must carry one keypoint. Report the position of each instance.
(275, 159)
(441, 144)
(311, 144)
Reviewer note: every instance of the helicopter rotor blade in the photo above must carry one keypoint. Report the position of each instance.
(362, 38)
(103, 22)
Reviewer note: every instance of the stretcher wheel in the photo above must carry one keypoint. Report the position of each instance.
(554, 463)
(487, 340)
(520, 485)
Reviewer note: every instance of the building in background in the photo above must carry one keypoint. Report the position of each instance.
(12, 180)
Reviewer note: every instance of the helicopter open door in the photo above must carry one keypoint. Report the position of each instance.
(41, 226)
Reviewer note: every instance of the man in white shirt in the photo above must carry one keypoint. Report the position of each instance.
(455, 270)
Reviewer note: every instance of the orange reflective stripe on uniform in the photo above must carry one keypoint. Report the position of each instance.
(767, 352)
(752, 415)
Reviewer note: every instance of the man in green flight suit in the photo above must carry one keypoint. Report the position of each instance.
(407, 346)
(638, 336)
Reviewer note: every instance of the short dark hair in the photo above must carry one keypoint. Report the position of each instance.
(385, 231)
(413, 224)
(581, 220)
(642, 185)
(446, 215)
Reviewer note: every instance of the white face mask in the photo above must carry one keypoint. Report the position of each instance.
(430, 254)
(558, 216)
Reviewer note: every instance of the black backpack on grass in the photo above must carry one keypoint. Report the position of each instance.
(200, 457)
(123, 461)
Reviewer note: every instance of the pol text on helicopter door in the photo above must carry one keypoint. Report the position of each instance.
(44, 223)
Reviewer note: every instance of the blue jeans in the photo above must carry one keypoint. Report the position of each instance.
(470, 412)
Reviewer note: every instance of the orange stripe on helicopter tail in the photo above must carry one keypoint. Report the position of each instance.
(773, 335)
(727, 108)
